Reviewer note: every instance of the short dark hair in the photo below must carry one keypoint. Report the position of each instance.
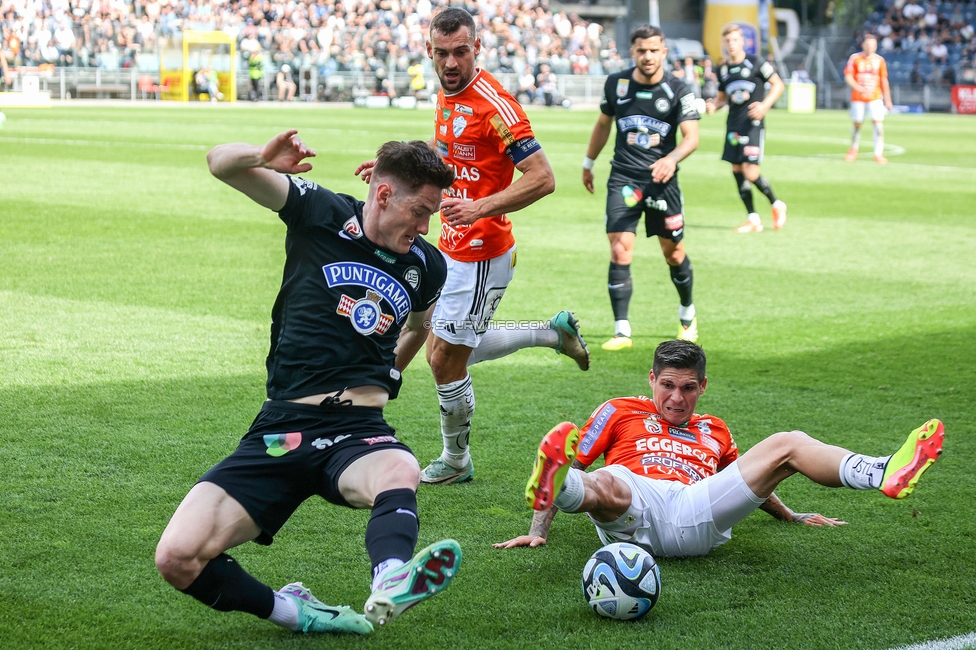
(645, 31)
(679, 354)
(452, 19)
(868, 35)
(414, 164)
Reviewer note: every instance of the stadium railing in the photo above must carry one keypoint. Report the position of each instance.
(586, 90)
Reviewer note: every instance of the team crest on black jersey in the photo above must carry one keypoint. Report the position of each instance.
(623, 85)
(365, 314)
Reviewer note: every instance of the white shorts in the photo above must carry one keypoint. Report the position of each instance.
(470, 297)
(671, 519)
(875, 110)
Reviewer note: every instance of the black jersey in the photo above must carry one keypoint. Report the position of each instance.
(343, 299)
(744, 83)
(647, 118)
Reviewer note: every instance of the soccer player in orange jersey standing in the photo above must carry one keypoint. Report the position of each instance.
(867, 75)
(482, 131)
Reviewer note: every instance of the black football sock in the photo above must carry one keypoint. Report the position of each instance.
(621, 287)
(763, 185)
(745, 191)
(393, 527)
(226, 587)
(683, 278)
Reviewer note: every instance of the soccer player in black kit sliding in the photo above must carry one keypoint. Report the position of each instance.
(648, 105)
(742, 83)
(356, 274)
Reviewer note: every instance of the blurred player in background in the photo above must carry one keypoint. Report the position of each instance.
(867, 75)
(674, 481)
(742, 85)
(355, 273)
(483, 133)
(648, 105)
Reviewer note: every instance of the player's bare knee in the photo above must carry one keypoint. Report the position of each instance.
(787, 443)
(402, 472)
(613, 495)
(178, 566)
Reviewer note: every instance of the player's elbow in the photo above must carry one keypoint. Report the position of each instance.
(213, 161)
(547, 184)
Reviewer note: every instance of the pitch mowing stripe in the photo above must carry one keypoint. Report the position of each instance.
(954, 643)
(105, 143)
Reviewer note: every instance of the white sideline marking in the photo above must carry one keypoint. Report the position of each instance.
(955, 643)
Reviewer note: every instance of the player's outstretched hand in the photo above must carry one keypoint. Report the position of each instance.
(816, 519)
(365, 170)
(459, 212)
(522, 540)
(588, 180)
(285, 153)
(709, 106)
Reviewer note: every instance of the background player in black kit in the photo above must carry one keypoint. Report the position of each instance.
(355, 274)
(742, 85)
(648, 106)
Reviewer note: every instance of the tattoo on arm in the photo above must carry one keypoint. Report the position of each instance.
(541, 521)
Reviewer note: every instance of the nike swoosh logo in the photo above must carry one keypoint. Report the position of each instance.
(342, 233)
(623, 101)
(615, 286)
(677, 232)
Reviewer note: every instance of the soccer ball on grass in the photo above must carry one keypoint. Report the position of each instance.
(621, 581)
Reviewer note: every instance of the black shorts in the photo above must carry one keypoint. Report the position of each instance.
(293, 451)
(745, 147)
(661, 203)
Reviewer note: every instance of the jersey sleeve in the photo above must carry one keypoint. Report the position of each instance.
(512, 126)
(882, 69)
(849, 68)
(767, 70)
(731, 452)
(608, 102)
(434, 279)
(597, 433)
(301, 202)
(687, 110)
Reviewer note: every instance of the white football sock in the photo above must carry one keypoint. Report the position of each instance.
(878, 139)
(862, 472)
(285, 612)
(501, 342)
(457, 407)
(570, 497)
(855, 137)
(686, 313)
(621, 328)
(382, 568)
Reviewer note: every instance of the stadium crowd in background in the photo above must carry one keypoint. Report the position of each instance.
(933, 38)
(331, 34)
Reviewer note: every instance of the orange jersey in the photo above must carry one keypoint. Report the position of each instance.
(868, 71)
(631, 432)
(483, 133)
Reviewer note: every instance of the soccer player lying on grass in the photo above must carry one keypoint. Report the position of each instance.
(674, 482)
(355, 273)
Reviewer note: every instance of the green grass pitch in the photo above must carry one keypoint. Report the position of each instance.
(135, 293)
